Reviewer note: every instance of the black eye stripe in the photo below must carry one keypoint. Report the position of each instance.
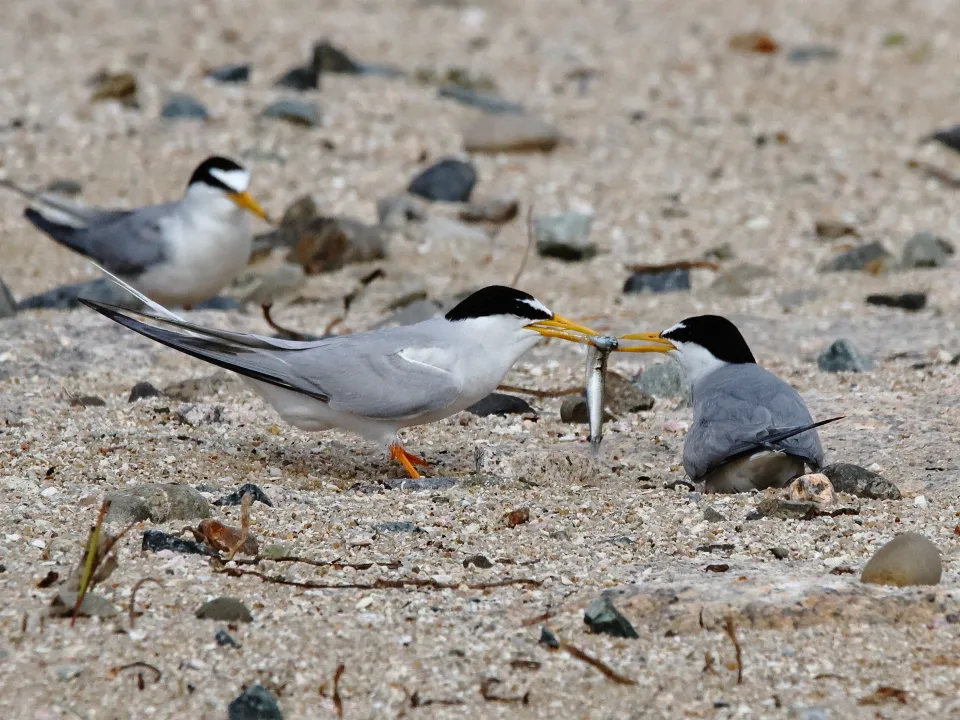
(498, 300)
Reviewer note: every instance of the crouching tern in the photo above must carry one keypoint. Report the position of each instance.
(372, 383)
(179, 253)
(751, 430)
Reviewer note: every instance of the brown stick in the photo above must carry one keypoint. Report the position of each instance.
(337, 701)
(379, 583)
(336, 564)
(541, 393)
(607, 671)
(486, 692)
(133, 597)
(731, 631)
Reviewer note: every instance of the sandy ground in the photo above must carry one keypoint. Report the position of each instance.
(810, 639)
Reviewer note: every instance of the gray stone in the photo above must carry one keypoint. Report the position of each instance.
(397, 211)
(663, 380)
(225, 639)
(398, 527)
(711, 515)
(300, 78)
(230, 74)
(548, 638)
(224, 609)
(658, 281)
(296, 112)
(254, 703)
(483, 101)
(948, 137)
(143, 390)
(855, 480)
(183, 107)
(449, 180)
(574, 410)
(925, 250)
(603, 618)
(776, 507)
(871, 257)
(66, 673)
(843, 356)
(157, 502)
(505, 133)
(8, 306)
(908, 559)
(565, 237)
(92, 605)
(479, 561)
(807, 53)
(780, 553)
(910, 301)
(501, 404)
(622, 397)
(328, 58)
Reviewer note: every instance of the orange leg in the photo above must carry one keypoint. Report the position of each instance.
(408, 460)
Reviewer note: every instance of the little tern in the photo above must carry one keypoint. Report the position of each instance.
(751, 430)
(181, 252)
(377, 382)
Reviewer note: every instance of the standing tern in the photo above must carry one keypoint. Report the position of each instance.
(182, 252)
(751, 430)
(372, 383)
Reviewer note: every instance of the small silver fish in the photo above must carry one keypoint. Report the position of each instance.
(597, 353)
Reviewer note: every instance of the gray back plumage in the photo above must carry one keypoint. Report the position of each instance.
(738, 406)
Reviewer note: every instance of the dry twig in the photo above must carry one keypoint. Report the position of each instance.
(379, 583)
(337, 701)
(541, 393)
(607, 671)
(486, 692)
(133, 597)
(731, 632)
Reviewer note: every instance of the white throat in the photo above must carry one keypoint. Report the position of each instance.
(697, 362)
(204, 200)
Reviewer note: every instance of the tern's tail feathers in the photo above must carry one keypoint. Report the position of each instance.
(159, 309)
(248, 355)
(781, 435)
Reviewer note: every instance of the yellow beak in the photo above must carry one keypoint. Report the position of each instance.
(659, 344)
(246, 201)
(560, 327)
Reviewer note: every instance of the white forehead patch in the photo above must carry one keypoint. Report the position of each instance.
(236, 180)
(537, 305)
(678, 326)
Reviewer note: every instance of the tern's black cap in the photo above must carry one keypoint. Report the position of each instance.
(208, 170)
(499, 300)
(714, 333)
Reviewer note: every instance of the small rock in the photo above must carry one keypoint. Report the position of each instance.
(711, 515)
(157, 540)
(275, 550)
(814, 487)
(183, 107)
(115, 86)
(490, 210)
(398, 527)
(574, 410)
(948, 137)
(920, 501)
(780, 553)
(66, 673)
(296, 112)
(236, 497)
(483, 101)
(925, 250)
(622, 397)
(549, 638)
(449, 180)
(300, 78)
(230, 74)
(908, 559)
(254, 703)
(516, 517)
(660, 281)
(507, 133)
(663, 380)
(855, 480)
(224, 609)
(395, 212)
(225, 639)
(327, 244)
(420, 484)
(92, 605)
(808, 53)
(775, 507)
(480, 561)
(843, 356)
(64, 186)
(85, 401)
(603, 618)
(871, 257)
(8, 306)
(501, 404)
(143, 390)
(157, 502)
(565, 237)
(834, 229)
(328, 58)
(911, 301)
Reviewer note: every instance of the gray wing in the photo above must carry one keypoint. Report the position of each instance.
(364, 374)
(124, 242)
(740, 407)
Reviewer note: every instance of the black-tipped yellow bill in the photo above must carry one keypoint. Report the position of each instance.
(246, 201)
(656, 344)
(561, 327)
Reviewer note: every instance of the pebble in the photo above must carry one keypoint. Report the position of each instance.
(549, 638)
(490, 210)
(660, 281)
(664, 379)
(159, 502)
(843, 356)
(908, 559)
(300, 78)
(911, 301)
(66, 297)
(814, 487)
(807, 53)
(603, 618)
(120, 86)
(855, 480)
(157, 541)
(92, 606)
(871, 257)
(296, 112)
(397, 211)
(225, 639)
(510, 133)
(711, 515)
(449, 180)
(483, 101)
(230, 74)
(65, 673)
(565, 237)
(479, 561)
(777, 507)
(920, 501)
(516, 517)
(780, 553)
(183, 107)
(622, 397)
(948, 137)
(327, 244)
(501, 404)
(254, 703)
(574, 410)
(8, 306)
(224, 609)
(926, 250)
(143, 390)
(64, 186)
(834, 229)
(236, 497)
(398, 527)
(331, 59)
